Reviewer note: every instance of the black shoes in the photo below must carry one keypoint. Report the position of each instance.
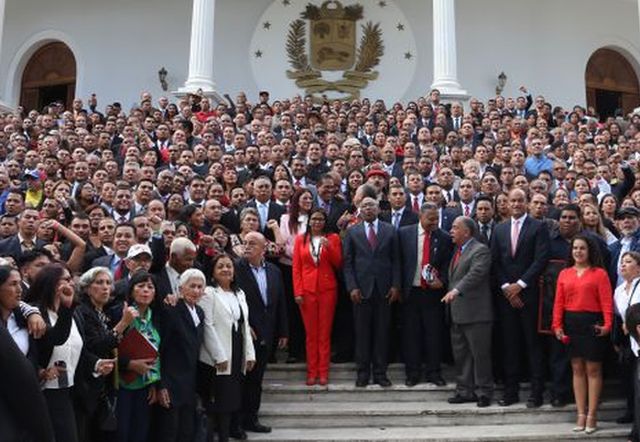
(483, 401)
(411, 382)
(626, 418)
(437, 380)
(382, 381)
(534, 402)
(238, 433)
(557, 402)
(508, 400)
(257, 427)
(362, 381)
(459, 399)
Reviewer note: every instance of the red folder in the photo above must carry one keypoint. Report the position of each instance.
(135, 346)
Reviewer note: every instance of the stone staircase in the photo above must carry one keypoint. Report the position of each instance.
(342, 412)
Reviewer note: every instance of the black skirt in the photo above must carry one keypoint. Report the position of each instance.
(580, 327)
(227, 389)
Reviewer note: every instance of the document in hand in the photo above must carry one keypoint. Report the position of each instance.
(134, 345)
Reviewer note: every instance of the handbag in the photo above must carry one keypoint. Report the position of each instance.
(107, 419)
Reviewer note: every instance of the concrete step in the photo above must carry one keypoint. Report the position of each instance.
(421, 413)
(551, 432)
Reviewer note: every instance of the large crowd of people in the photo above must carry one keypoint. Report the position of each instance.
(153, 259)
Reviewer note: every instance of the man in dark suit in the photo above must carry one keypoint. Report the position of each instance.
(123, 238)
(182, 256)
(326, 199)
(25, 239)
(628, 220)
(183, 334)
(426, 252)
(519, 249)
(484, 212)
(399, 215)
(262, 284)
(373, 279)
(471, 305)
(267, 209)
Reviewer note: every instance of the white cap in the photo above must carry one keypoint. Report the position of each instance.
(139, 249)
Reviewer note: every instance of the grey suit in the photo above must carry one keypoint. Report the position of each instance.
(471, 315)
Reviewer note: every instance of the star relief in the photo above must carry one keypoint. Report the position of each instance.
(400, 27)
(266, 25)
(382, 3)
(286, 2)
(258, 53)
(408, 55)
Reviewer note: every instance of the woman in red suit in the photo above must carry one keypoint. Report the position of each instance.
(582, 318)
(317, 254)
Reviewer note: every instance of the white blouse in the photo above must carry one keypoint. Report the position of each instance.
(69, 353)
(231, 301)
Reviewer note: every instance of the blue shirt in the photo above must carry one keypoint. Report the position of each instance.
(260, 273)
(534, 165)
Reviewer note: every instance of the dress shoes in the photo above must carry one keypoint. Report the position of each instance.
(436, 380)
(483, 401)
(257, 427)
(323, 381)
(626, 418)
(508, 400)
(557, 402)
(382, 381)
(362, 381)
(411, 382)
(534, 402)
(459, 399)
(238, 433)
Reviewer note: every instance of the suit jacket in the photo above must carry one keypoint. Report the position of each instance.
(163, 285)
(179, 350)
(440, 251)
(310, 277)
(470, 276)
(408, 217)
(531, 253)
(449, 214)
(367, 269)
(218, 332)
(11, 246)
(337, 208)
(267, 321)
(615, 250)
(275, 212)
(105, 261)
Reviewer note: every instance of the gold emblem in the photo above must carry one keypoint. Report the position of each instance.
(333, 48)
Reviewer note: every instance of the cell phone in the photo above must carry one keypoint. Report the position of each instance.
(63, 377)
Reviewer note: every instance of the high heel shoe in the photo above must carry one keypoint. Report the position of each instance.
(591, 429)
(578, 428)
(311, 381)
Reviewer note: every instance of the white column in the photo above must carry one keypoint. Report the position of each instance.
(4, 107)
(201, 49)
(445, 72)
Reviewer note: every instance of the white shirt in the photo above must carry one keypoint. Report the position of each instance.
(417, 277)
(194, 314)
(625, 246)
(231, 301)
(174, 278)
(69, 353)
(622, 300)
(20, 335)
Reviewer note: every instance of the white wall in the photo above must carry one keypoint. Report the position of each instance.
(121, 44)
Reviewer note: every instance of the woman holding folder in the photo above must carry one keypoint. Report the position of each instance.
(138, 362)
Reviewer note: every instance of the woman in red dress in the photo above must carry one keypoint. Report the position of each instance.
(582, 318)
(317, 255)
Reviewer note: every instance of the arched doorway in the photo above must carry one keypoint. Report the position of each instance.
(50, 75)
(612, 83)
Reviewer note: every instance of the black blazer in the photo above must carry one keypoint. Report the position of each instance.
(105, 261)
(408, 217)
(179, 351)
(11, 246)
(337, 209)
(267, 321)
(366, 269)
(163, 285)
(531, 257)
(440, 253)
(275, 212)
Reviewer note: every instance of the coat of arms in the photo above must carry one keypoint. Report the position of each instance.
(333, 48)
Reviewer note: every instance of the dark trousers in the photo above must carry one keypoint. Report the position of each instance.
(296, 328)
(177, 424)
(372, 318)
(635, 436)
(472, 353)
(342, 341)
(134, 415)
(252, 388)
(519, 338)
(63, 418)
(423, 329)
(559, 369)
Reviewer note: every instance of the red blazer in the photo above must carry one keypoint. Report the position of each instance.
(311, 278)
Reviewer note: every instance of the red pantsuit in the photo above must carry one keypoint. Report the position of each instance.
(316, 283)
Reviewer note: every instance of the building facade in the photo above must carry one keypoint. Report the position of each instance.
(572, 51)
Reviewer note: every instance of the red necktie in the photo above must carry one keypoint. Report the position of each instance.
(372, 237)
(119, 273)
(426, 251)
(456, 256)
(416, 207)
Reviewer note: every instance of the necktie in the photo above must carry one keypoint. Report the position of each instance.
(466, 210)
(484, 231)
(515, 232)
(416, 207)
(263, 215)
(372, 237)
(396, 220)
(456, 256)
(122, 219)
(426, 251)
(119, 273)
(298, 183)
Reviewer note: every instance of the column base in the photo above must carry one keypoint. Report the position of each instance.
(450, 90)
(6, 108)
(207, 90)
